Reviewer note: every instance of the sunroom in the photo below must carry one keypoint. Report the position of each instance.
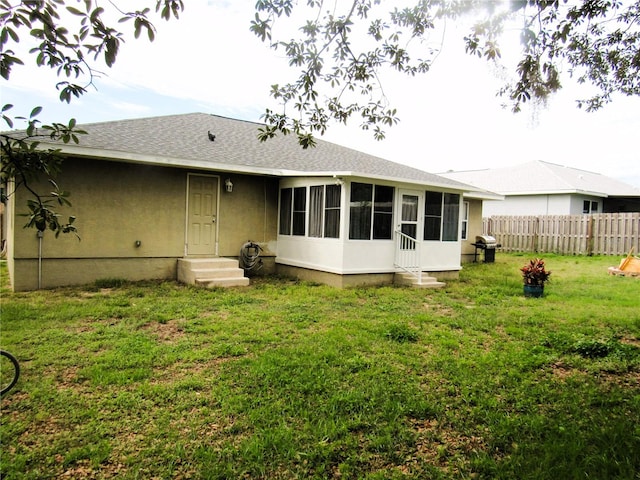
(365, 231)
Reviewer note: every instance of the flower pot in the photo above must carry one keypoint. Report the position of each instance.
(534, 291)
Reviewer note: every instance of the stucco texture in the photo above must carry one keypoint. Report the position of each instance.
(474, 229)
(132, 222)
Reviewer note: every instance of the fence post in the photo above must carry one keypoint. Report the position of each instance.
(590, 236)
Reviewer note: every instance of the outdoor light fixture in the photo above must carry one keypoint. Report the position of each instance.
(228, 185)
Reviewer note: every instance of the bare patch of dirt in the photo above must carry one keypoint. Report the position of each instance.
(167, 332)
(438, 309)
(627, 379)
(85, 329)
(438, 444)
(169, 375)
(561, 370)
(622, 379)
(9, 402)
(84, 469)
(93, 293)
(631, 341)
(68, 377)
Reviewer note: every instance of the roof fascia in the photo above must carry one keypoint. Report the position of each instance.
(111, 155)
(555, 192)
(407, 181)
(114, 155)
(483, 196)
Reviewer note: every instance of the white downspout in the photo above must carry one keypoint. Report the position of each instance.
(40, 236)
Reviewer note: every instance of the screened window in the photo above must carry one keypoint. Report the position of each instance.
(324, 211)
(450, 217)
(409, 215)
(465, 220)
(371, 212)
(441, 216)
(299, 210)
(383, 212)
(360, 211)
(316, 210)
(332, 211)
(286, 196)
(432, 215)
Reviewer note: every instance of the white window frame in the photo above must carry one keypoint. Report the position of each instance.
(465, 221)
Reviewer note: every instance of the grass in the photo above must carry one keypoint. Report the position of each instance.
(285, 380)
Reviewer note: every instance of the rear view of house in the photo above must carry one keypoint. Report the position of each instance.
(151, 193)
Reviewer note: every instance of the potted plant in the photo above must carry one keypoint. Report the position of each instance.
(534, 276)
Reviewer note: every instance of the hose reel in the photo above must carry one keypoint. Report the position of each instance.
(250, 259)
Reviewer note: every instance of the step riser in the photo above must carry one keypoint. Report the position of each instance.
(409, 280)
(205, 263)
(223, 282)
(211, 272)
(218, 273)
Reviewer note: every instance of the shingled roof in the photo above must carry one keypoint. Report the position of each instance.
(184, 140)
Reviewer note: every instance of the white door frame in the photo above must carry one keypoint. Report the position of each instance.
(419, 220)
(408, 250)
(216, 214)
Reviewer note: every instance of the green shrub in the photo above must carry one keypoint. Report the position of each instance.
(592, 348)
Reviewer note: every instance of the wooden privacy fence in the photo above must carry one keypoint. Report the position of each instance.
(594, 234)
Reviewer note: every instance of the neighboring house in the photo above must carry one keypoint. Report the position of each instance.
(542, 188)
(153, 194)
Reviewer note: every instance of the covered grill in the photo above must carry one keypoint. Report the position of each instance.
(488, 244)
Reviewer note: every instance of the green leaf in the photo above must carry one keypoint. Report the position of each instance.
(75, 11)
(13, 35)
(95, 15)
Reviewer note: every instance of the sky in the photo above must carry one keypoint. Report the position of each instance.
(450, 118)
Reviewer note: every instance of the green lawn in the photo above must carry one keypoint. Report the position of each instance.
(285, 380)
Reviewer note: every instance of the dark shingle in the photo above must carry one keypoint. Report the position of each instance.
(236, 143)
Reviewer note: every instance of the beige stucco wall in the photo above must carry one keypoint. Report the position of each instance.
(250, 212)
(117, 205)
(474, 229)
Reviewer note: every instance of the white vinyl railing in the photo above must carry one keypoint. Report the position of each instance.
(408, 255)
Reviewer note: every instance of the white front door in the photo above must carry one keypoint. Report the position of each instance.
(202, 211)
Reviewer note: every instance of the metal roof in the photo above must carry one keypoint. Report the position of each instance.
(544, 178)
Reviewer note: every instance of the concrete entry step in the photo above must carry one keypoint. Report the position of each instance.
(211, 272)
(403, 278)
